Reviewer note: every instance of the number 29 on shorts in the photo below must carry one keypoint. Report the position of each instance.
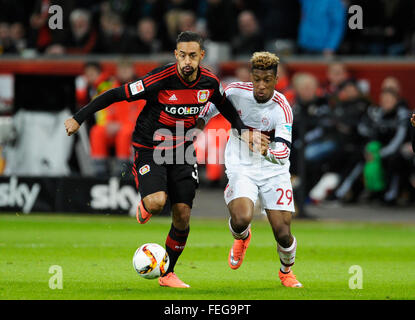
(284, 196)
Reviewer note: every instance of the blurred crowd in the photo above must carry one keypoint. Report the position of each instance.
(240, 27)
(354, 148)
(111, 129)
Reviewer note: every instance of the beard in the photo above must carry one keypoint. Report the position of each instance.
(187, 71)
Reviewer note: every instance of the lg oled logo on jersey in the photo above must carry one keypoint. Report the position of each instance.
(144, 169)
(202, 96)
(184, 110)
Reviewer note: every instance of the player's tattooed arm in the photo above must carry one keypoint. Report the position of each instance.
(102, 101)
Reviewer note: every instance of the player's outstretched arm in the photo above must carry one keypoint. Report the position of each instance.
(413, 120)
(102, 101)
(226, 108)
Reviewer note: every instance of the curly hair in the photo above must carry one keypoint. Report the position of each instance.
(264, 61)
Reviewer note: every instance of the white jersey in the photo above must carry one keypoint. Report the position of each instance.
(273, 118)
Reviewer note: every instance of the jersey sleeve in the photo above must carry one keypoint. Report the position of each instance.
(100, 102)
(135, 90)
(144, 87)
(279, 149)
(140, 89)
(209, 111)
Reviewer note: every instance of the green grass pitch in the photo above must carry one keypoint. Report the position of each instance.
(95, 254)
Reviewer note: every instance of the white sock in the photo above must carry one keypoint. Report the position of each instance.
(238, 236)
(287, 256)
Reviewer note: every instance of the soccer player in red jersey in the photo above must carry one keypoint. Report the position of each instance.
(175, 94)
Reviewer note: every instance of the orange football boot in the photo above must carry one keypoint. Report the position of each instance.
(237, 252)
(172, 281)
(142, 215)
(289, 280)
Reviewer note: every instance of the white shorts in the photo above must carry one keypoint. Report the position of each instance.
(276, 193)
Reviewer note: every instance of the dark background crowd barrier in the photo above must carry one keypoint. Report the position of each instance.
(373, 70)
(68, 194)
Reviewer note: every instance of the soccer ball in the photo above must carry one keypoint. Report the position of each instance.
(151, 261)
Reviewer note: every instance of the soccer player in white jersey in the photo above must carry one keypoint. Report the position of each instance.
(264, 173)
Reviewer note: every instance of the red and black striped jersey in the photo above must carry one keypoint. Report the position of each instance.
(172, 103)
